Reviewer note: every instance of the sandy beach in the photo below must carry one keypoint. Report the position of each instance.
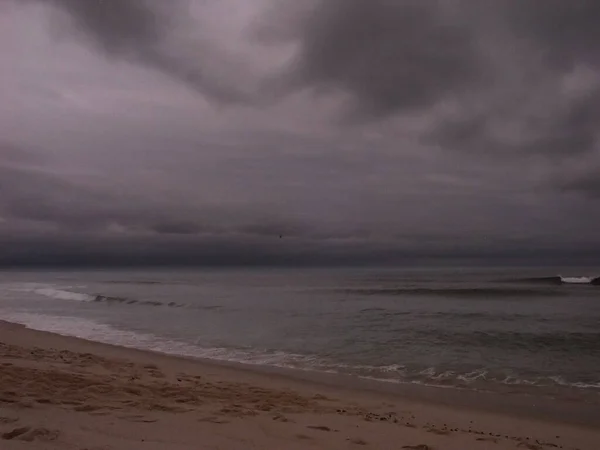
(59, 392)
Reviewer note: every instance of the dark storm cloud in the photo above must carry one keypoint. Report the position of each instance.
(28, 194)
(584, 180)
(398, 57)
(32, 194)
(83, 250)
(588, 184)
(567, 130)
(566, 32)
(139, 31)
(474, 133)
(14, 154)
(390, 56)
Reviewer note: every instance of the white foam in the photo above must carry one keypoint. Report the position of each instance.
(403, 381)
(60, 294)
(562, 382)
(51, 291)
(576, 280)
(98, 332)
(473, 376)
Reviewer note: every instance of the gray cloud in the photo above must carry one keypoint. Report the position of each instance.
(389, 56)
(473, 131)
(13, 154)
(141, 31)
(566, 33)
(564, 130)
(587, 183)
(501, 64)
(583, 179)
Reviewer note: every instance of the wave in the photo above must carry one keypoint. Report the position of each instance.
(480, 378)
(62, 294)
(576, 280)
(559, 280)
(477, 378)
(446, 315)
(457, 292)
(130, 301)
(148, 282)
(574, 343)
(473, 378)
(553, 280)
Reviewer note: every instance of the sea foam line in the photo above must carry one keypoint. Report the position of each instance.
(394, 373)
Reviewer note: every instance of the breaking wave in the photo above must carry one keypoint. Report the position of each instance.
(559, 280)
(499, 292)
(66, 294)
(576, 280)
(131, 301)
(62, 294)
(478, 378)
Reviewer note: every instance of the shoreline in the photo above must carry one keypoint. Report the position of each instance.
(63, 387)
(523, 405)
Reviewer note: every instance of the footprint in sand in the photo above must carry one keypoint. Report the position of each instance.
(281, 418)
(7, 420)
(86, 408)
(319, 427)
(303, 437)
(213, 419)
(438, 432)
(137, 418)
(418, 447)
(28, 434)
(529, 446)
(99, 413)
(357, 441)
(40, 434)
(488, 439)
(15, 433)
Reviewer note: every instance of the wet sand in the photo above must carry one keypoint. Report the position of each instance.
(60, 392)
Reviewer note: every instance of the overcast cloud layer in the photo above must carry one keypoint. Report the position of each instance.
(276, 131)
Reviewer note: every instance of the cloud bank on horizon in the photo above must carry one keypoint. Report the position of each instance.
(359, 130)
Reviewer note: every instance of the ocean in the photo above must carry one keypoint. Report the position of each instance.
(513, 331)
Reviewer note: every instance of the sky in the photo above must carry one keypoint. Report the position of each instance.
(287, 132)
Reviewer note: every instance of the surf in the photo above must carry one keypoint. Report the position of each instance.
(595, 281)
(561, 280)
